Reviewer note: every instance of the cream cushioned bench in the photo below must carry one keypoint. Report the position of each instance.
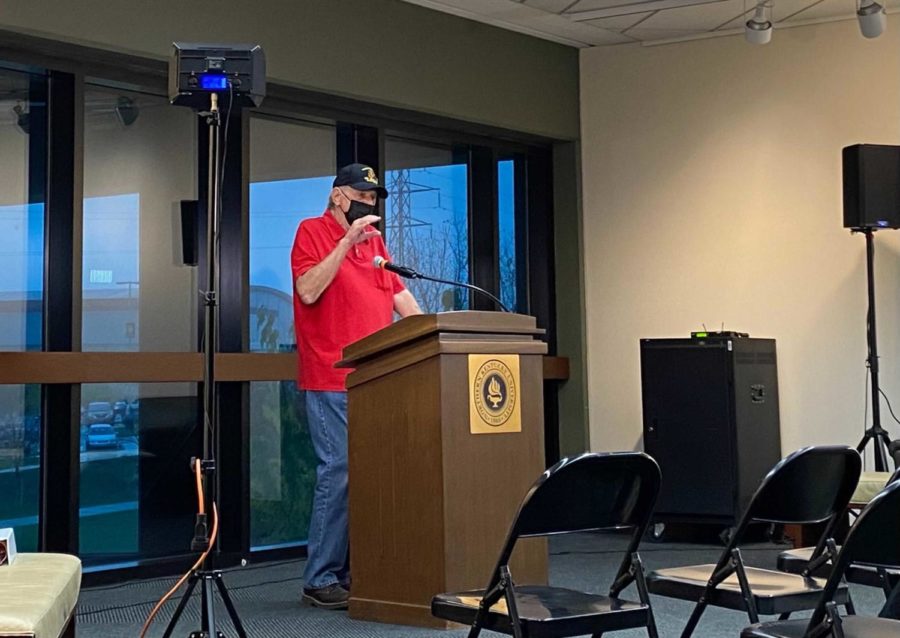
(870, 483)
(38, 593)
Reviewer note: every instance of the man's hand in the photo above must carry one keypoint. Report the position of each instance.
(358, 231)
(314, 281)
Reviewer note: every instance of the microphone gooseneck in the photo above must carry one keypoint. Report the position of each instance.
(409, 273)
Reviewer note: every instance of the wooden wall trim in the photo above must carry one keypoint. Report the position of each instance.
(256, 366)
(99, 367)
(167, 367)
(556, 368)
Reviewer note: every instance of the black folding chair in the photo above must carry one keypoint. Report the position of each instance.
(809, 486)
(589, 492)
(874, 539)
(817, 561)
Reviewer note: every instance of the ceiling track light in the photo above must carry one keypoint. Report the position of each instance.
(872, 18)
(758, 29)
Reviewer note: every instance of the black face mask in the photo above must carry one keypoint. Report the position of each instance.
(358, 210)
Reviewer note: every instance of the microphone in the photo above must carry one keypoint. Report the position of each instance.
(403, 271)
(409, 273)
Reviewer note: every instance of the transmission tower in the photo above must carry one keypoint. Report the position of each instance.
(402, 224)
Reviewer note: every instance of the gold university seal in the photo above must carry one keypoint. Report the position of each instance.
(494, 394)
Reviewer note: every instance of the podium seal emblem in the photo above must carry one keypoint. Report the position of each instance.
(494, 394)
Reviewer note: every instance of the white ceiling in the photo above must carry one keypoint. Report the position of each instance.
(587, 23)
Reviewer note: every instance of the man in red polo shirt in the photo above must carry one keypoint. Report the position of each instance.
(339, 297)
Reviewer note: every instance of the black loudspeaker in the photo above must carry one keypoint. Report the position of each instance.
(711, 422)
(189, 231)
(871, 186)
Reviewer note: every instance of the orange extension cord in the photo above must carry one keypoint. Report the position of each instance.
(212, 541)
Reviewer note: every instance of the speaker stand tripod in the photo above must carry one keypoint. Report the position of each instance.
(876, 434)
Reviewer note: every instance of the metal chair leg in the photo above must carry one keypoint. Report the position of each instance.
(746, 592)
(511, 607)
(851, 610)
(834, 619)
(693, 620)
(637, 567)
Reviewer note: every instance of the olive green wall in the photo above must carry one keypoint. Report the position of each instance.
(383, 51)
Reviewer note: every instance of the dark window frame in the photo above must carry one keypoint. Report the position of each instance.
(361, 130)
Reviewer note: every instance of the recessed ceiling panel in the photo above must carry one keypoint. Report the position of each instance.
(793, 10)
(687, 20)
(594, 36)
(496, 9)
(812, 10)
(622, 7)
(620, 23)
(553, 6)
(601, 22)
(516, 16)
(590, 5)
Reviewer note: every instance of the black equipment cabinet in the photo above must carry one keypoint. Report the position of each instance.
(711, 422)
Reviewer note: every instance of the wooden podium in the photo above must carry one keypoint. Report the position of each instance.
(430, 501)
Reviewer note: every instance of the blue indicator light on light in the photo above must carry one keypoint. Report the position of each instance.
(883, 223)
(213, 82)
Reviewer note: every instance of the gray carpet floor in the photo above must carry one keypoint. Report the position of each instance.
(267, 596)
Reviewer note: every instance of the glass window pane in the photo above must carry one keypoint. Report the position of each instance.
(22, 176)
(20, 469)
(137, 492)
(282, 465)
(511, 238)
(22, 167)
(139, 163)
(292, 166)
(426, 220)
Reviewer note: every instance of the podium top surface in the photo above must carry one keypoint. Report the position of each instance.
(417, 327)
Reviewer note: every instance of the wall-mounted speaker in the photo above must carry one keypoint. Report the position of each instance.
(871, 186)
(190, 218)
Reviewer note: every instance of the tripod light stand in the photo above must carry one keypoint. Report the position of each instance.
(205, 468)
(876, 434)
(198, 75)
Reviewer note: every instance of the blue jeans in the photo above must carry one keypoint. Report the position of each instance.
(328, 559)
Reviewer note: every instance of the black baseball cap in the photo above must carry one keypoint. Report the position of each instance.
(360, 177)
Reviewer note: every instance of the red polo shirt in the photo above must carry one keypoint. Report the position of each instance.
(357, 302)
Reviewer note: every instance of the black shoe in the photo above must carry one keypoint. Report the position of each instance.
(330, 597)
